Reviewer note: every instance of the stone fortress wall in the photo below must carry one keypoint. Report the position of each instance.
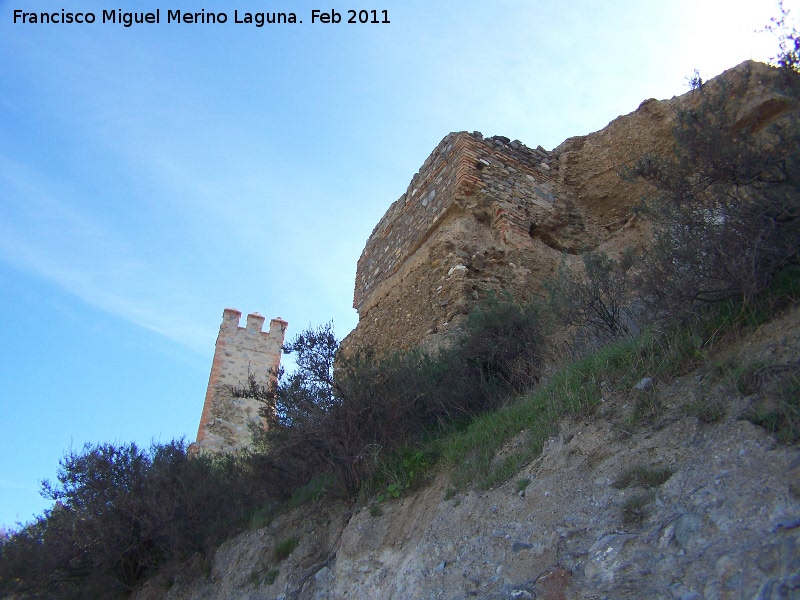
(454, 237)
(483, 217)
(226, 421)
(517, 178)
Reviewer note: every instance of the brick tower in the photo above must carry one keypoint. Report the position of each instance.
(240, 351)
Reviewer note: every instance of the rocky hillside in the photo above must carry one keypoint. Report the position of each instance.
(669, 507)
(664, 488)
(662, 462)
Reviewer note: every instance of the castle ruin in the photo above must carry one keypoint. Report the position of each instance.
(489, 216)
(462, 231)
(483, 217)
(226, 421)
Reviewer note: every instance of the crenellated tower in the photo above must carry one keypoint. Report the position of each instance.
(240, 351)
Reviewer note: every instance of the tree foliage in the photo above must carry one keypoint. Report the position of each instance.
(320, 421)
(788, 56)
(597, 299)
(727, 213)
(122, 511)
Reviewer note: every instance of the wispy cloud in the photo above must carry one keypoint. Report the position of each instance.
(43, 232)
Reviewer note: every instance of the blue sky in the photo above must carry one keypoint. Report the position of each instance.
(151, 176)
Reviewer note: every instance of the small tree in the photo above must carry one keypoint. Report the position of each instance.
(121, 512)
(727, 214)
(318, 420)
(312, 420)
(597, 299)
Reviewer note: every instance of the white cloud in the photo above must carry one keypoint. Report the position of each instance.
(45, 234)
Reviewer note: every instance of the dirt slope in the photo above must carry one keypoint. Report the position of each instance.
(724, 524)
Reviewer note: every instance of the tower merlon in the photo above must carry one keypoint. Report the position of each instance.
(277, 330)
(278, 323)
(255, 322)
(230, 318)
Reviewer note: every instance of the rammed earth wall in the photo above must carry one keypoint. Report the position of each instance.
(461, 232)
(490, 216)
(516, 177)
(225, 422)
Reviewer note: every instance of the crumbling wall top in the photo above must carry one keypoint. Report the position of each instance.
(462, 165)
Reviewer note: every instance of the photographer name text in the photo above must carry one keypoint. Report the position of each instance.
(204, 17)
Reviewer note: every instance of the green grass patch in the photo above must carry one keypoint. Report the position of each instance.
(271, 576)
(315, 489)
(473, 451)
(574, 390)
(645, 476)
(400, 471)
(636, 508)
(778, 407)
(261, 576)
(262, 515)
(705, 410)
(284, 549)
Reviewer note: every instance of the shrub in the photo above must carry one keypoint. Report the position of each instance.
(727, 214)
(284, 549)
(502, 348)
(343, 424)
(643, 476)
(777, 408)
(636, 508)
(121, 512)
(399, 471)
(596, 300)
(271, 576)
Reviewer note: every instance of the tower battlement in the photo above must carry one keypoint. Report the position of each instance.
(240, 351)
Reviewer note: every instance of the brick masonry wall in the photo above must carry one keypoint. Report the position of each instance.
(225, 421)
(516, 178)
(467, 228)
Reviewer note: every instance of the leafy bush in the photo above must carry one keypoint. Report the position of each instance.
(284, 549)
(501, 351)
(122, 511)
(399, 471)
(597, 299)
(727, 215)
(343, 423)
